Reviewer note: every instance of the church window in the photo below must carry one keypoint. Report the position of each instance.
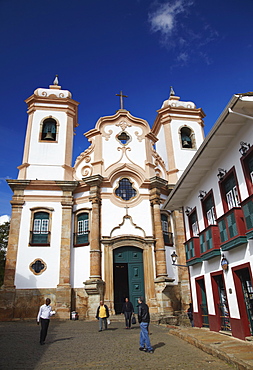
(40, 230)
(37, 266)
(49, 130)
(123, 137)
(81, 236)
(186, 135)
(125, 189)
(167, 235)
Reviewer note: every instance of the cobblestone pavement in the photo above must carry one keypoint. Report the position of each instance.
(79, 345)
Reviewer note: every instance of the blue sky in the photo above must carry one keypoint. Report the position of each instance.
(204, 49)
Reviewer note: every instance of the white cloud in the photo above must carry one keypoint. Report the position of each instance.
(164, 18)
(183, 30)
(4, 218)
(183, 57)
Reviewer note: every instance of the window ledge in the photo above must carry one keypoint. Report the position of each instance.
(81, 245)
(39, 244)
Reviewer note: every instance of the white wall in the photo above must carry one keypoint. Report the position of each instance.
(50, 255)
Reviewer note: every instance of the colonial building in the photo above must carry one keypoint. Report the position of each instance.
(95, 229)
(216, 193)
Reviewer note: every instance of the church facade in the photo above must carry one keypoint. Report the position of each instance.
(96, 229)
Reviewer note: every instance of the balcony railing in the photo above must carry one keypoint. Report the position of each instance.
(192, 251)
(40, 239)
(247, 207)
(209, 242)
(81, 239)
(232, 228)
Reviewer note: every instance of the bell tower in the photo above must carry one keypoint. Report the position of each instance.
(179, 129)
(52, 118)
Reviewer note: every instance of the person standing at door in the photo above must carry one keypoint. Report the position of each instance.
(102, 315)
(43, 318)
(127, 310)
(190, 314)
(144, 319)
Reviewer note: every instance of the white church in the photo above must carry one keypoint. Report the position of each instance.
(94, 228)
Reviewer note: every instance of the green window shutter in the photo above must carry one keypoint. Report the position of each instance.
(202, 243)
(40, 228)
(209, 239)
(232, 228)
(82, 228)
(248, 214)
(223, 231)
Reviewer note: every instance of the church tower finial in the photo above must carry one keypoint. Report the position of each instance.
(172, 92)
(56, 81)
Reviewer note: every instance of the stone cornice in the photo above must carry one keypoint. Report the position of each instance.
(157, 182)
(94, 180)
(67, 186)
(18, 184)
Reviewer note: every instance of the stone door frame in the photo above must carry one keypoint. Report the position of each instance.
(146, 244)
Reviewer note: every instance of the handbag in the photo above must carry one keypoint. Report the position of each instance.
(133, 320)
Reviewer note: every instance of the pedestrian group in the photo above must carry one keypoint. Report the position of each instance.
(102, 315)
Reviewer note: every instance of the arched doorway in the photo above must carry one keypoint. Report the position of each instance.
(128, 277)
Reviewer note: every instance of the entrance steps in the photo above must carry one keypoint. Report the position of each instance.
(158, 319)
(117, 318)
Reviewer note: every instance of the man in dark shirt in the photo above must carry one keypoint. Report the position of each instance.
(127, 310)
(144, 319)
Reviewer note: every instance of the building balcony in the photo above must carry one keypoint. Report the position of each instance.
(232, 229)
(40, 239)
(247, 207)
(81, 239)
(192, 251)
(209, 242)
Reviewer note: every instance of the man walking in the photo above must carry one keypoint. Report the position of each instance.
(144, 319)
(45, 312)
(127, 310)
(102, 315)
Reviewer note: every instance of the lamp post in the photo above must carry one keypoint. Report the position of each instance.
(174, 260)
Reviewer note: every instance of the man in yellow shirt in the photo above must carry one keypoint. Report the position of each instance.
(102, 315)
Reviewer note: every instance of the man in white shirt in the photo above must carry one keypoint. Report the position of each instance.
(45, 312)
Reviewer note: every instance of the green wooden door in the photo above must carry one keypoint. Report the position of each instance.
(203, 305)
(131, 282)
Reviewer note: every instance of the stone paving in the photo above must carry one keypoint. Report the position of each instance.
(79, 345)
(230, 349)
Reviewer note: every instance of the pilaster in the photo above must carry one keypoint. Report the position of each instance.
(63, 295)
(95, 227)
(17, 203)
(160, 258)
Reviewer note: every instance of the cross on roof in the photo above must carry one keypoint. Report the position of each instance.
(121, 99)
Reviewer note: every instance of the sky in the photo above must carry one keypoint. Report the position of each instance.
(204, 49)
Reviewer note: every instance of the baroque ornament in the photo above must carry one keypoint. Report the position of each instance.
(123, 125)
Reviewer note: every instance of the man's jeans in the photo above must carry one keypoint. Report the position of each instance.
(101, 321)
(144, 337)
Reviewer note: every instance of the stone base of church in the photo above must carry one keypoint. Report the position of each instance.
(164, 306)
(16, 304)
(23, 303)
(95, 291)
(79, 302)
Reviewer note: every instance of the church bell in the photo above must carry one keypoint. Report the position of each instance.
(49, 136)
